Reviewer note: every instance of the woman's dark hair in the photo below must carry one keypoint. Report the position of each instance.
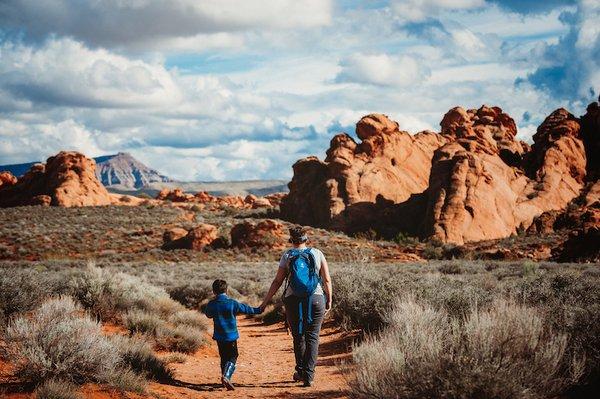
(298, 235)
(219, 287)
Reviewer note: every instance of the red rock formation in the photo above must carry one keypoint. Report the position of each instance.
(7, 179)
(266, 233)
(481, 183)
(583, 244)
(195, 239)
(175, 195)
(67, 179)
(387, 163)
(475, 193)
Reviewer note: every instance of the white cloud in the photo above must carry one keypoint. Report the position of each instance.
(419, 10)
(285, 84)
(65, 72)
(145, 23)
(382, 70)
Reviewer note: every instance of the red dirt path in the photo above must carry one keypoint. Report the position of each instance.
(264, 368)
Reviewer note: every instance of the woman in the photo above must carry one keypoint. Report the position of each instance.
(304, 315)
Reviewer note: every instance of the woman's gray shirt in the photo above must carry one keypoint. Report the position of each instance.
(319, 259)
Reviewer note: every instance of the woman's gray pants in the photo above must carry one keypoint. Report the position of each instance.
(306, 339)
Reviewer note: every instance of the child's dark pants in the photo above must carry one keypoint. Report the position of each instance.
(228, 351)
(306, 343)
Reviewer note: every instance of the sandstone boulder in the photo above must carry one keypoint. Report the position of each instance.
(266, 233)
(67, 179)
(7, 179)
(173, 234)
(195, 239)
(175, 195)
(583, 244)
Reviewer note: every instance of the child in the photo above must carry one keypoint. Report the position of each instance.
(223, 310)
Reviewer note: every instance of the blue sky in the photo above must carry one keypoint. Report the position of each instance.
(230, 90)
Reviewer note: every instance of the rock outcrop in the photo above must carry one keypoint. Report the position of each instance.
(211, 202)
(266, 233)
(583, 243)
(196, 239)
(477, 193)
(66, 179)
(175, 195)
(7, 179)
(388, 164)
(472, 181)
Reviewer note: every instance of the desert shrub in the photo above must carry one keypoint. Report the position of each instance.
(107, 294)
(138, 355)
(58, 342)
(363, 297)
(127, 380)
(57, 389)
(404, 239)
(140, 321)
(189, 318)
(22, 290)
(179, 338)
(450, 268)
(504, 352)
(191, 295)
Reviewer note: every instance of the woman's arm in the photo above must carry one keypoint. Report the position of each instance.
(326, 282)
(277, 281)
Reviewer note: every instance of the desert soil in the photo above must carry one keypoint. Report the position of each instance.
(264, 369)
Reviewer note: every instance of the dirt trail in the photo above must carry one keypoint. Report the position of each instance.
(264, 368)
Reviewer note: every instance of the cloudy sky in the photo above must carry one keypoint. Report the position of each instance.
(229, 89)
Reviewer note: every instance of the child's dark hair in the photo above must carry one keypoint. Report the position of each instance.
(219, 287)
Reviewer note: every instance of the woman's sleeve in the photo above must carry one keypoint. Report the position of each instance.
(283, 262)
(322, 256)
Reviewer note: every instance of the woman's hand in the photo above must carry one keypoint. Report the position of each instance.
(277, 281)
(327, 306)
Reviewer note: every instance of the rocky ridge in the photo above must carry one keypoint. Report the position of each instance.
(471, 181)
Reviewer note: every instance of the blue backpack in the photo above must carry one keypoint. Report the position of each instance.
(302, 274)
(303, 280)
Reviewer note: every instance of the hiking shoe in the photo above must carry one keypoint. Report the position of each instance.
(297, 377)
(307, 383)
(227, 383)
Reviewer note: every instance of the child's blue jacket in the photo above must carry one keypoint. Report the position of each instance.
(223, 310)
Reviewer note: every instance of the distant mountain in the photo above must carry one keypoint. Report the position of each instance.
(122, 171)
(119, 171)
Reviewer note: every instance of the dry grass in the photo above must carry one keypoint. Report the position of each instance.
(505, 352)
